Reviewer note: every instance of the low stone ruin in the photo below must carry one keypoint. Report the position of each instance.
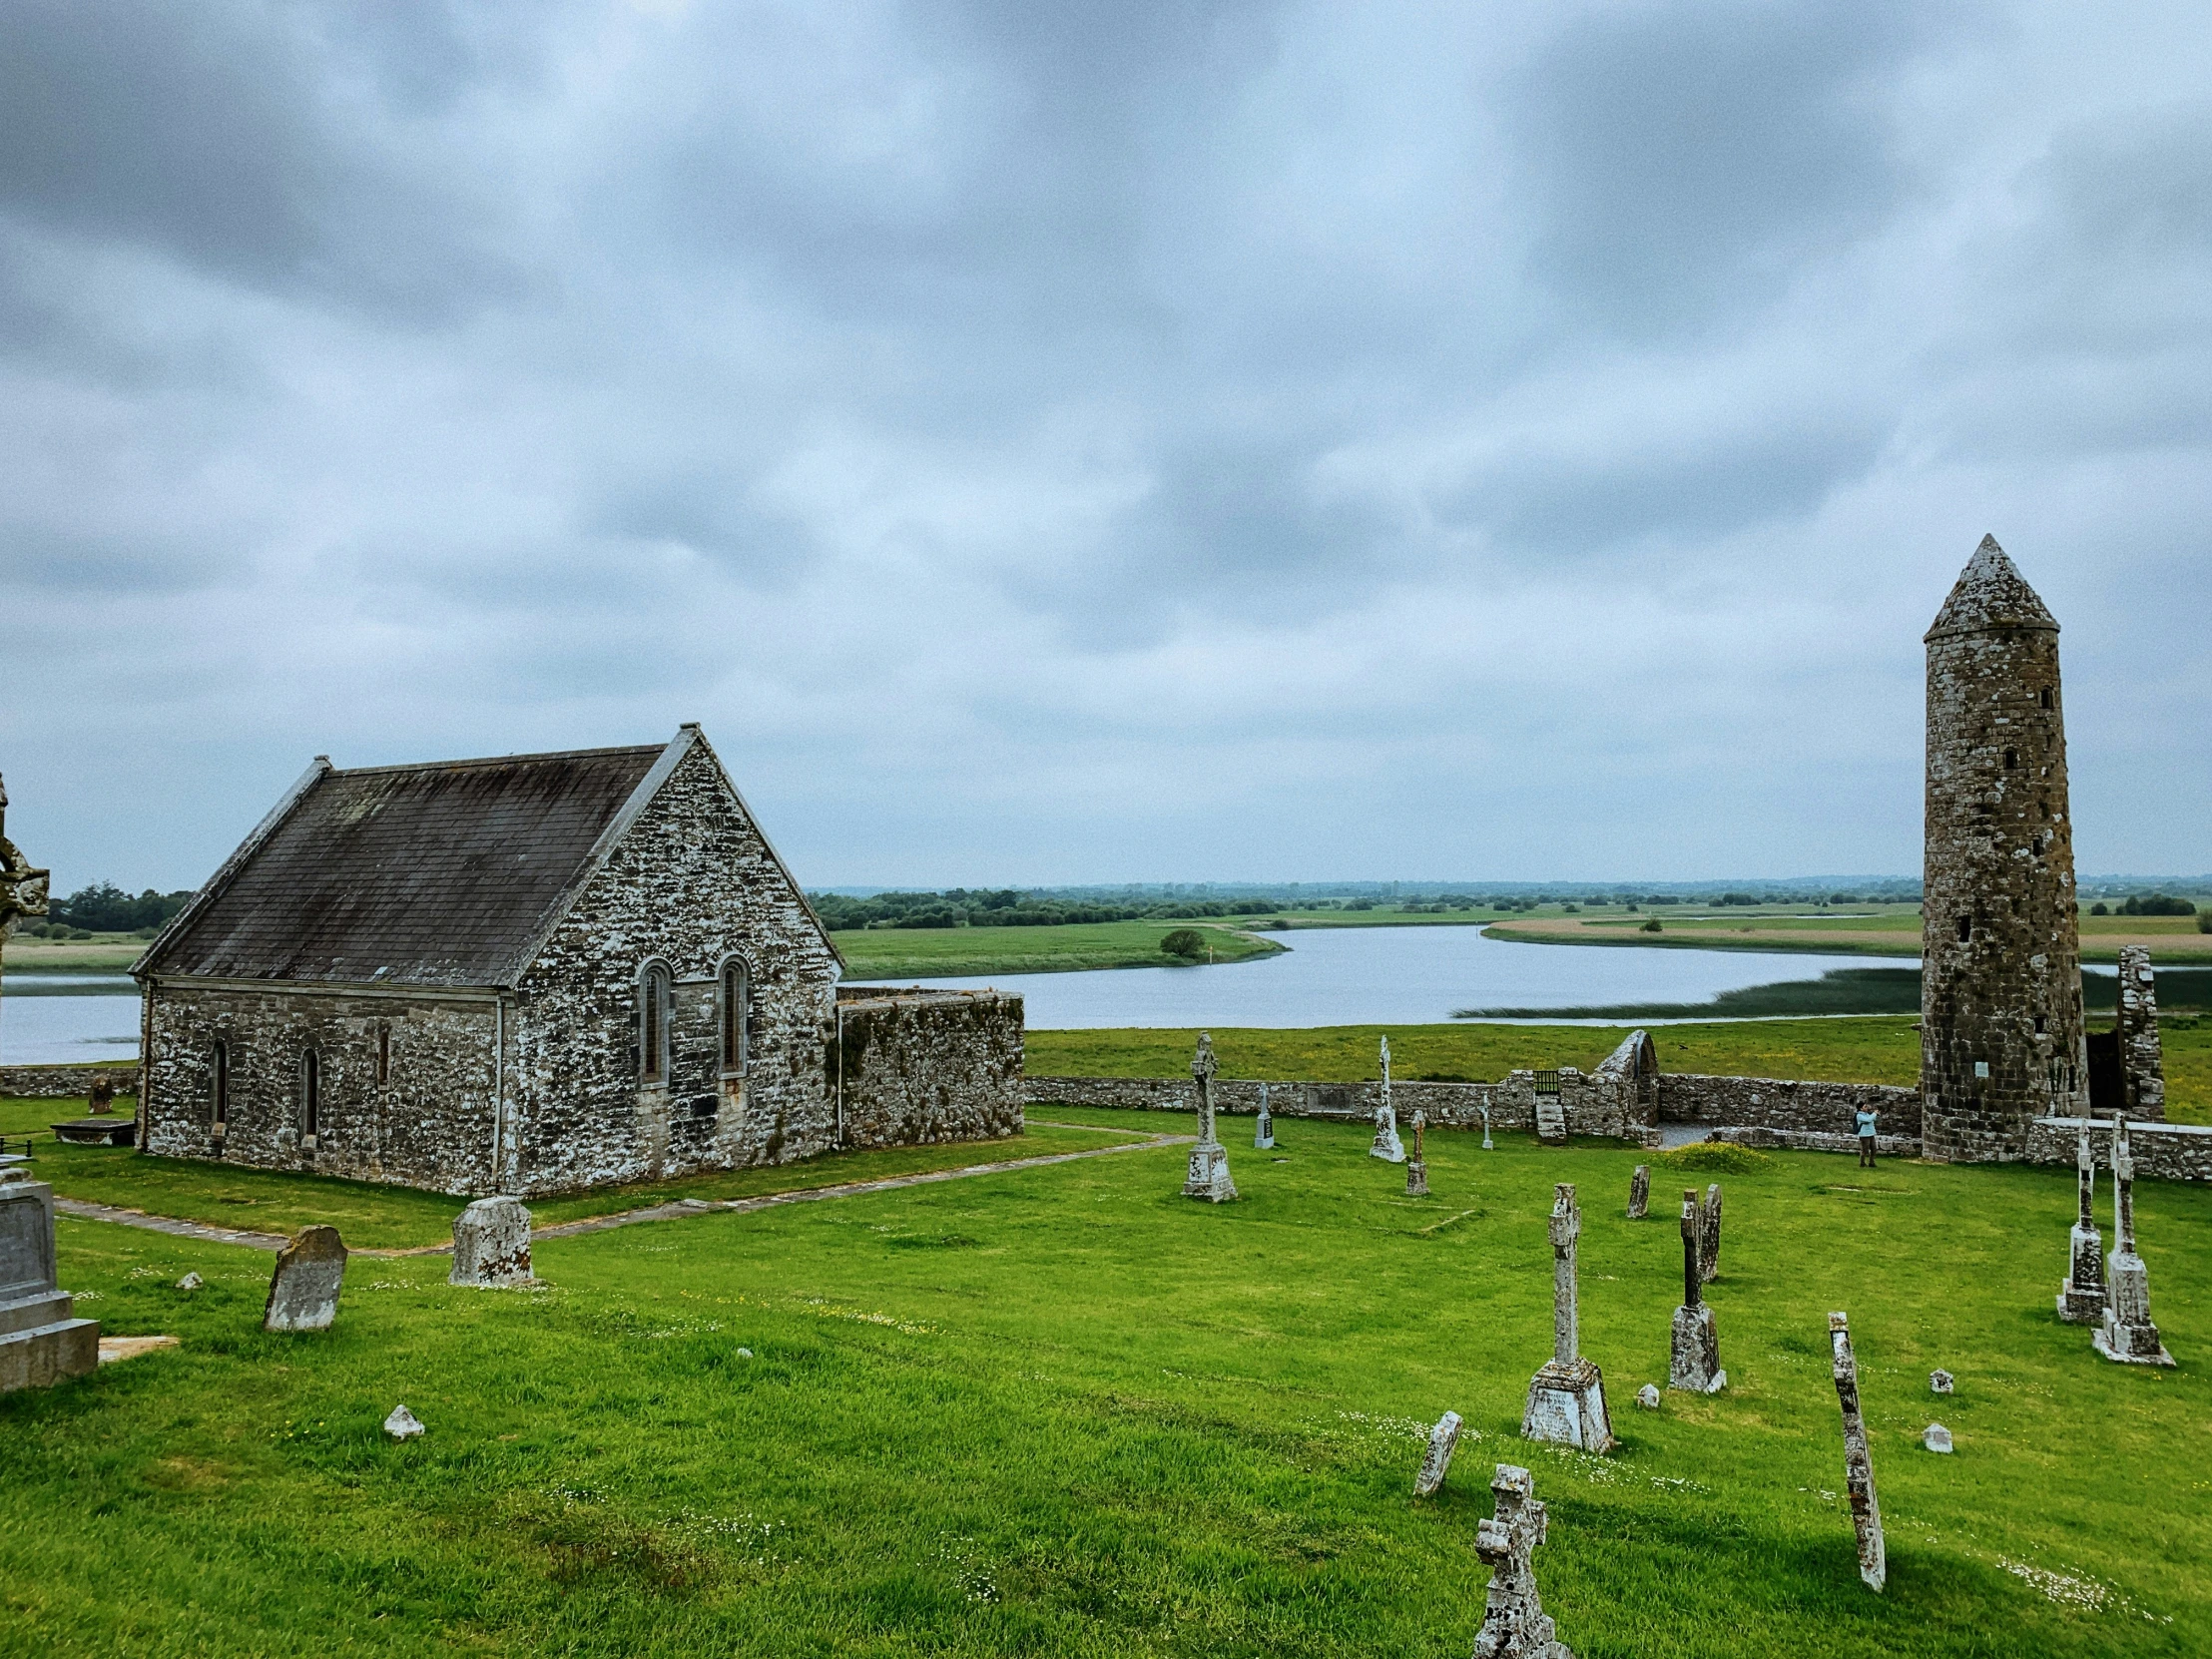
(1709, 1234)
(1443, 1439)
(41, 1341)
(2081, 1291)
(1416, 1166)
(303, 1291)
(1514, 1624)
(1639, 1192)
(1263, 1130)
(491, 1244)
(2127, 1333)
(1387, 1144)
(1567, 1397)
(1209, 1172)
(1694, 1362)
(1865, 1508)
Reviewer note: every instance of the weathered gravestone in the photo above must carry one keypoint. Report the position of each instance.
(2081, 1291)
(1567, 1397)
(1942, 1383)
(1443, 1439)
(1416, 1166)
(491, 1244)
(1514, 1624)
(1387, 1144)
(1639, 1192)
(1209, 1172)
(1709, 1234)
(1865, 1509)
(41, 1342)
(303, 1291)
(2127, 1335)
(1695, 1362)
(402, 1424)
(1263, 1131)
(1937, 1438)
(1648, 1398)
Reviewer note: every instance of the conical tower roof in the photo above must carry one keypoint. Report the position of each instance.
(1990, 593)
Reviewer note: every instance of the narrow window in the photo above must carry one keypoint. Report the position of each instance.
(383, 1055)
(2011, 758)
(736, 1017)
(653, 1000)
(2040, 1025)
(221, 1082)
(311, 1091)
(2046, 697)
(1966, 928)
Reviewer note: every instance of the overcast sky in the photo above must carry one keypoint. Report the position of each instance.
(1055, 443)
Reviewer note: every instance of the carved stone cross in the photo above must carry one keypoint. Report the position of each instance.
(1514, 1624)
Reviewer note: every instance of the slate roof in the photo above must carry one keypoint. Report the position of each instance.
(1990, 593)
(440, 874)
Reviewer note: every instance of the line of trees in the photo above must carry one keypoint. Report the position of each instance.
(105, 908)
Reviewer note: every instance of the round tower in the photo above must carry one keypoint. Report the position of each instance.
(2001, 961)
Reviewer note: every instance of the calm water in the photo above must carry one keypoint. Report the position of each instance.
(49, 1017)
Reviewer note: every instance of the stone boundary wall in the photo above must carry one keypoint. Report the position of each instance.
(1809, 1140)
(1772, 1103)
(913, 1068)
(62, 1082)
(2162, 1151)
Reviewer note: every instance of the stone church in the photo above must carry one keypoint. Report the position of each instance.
(534, 975)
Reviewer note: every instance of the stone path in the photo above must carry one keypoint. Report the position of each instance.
(675, 1210)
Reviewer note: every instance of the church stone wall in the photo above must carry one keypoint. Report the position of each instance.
(917, 1067)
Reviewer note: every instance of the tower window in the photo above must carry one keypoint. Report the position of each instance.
(2040, 1025)
(2045, 697)
(1966, 928)
(383, 1055)
(2011, 758)
(219, 1081)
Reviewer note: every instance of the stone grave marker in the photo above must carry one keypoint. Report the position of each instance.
(1694, 1362)
(1514, 1624)
(1865, 1508)
(1937, 1438)
(1209, 1172)
(1567, 1397)
(402, 1424)
(1387, 1144)
(1709, 1234)
(1639, 1192)
(491, 1244)
(303, 1291)
(1416, 1166)
(2081, 1291)
(41, 1341)
(1263, 1130)
(1648, 1398)
(1940, 1382)
(1443, 1439)
(2127, 1333)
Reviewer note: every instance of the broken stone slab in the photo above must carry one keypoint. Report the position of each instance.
(1940, 1382)
(1386, 1145)
(1709, 1250)
(2081, 1291)
(191, 1282)
(41, 1341)
(115, 1349)
(1514, 1624)
(1866, 1507)
(1639, 1192)
(1443, 1439)
(1694, 1359)
(1648, 1397)
(403, 1424)
(1936, 1437)
(303, 1290)
(491, 1244)
(1416, 1166)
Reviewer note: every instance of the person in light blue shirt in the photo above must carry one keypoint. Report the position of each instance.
(1866, 1118)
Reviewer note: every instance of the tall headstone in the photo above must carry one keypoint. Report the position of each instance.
(2001, 1034)
(1639, 1192)
(2127, 1333)
(491, 1244)
(2081, 1291)
(1443, 1439)
(1514, 1624)
(1695, 1361)
(2142, 1061)
(1387, 1144)
(1416, 1166)
(41, 1342)
(1709, 1234)
(1486, 1147)
(1263, 1131)
(303, 1290)
(1865, 1508)
(1209, 1173)
(1567, 1397)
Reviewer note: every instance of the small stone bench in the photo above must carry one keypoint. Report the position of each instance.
(96, 1130)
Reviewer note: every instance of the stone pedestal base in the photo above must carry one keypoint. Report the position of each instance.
(1695, 1365)
(1387, 1144)
(2081, 1297)
(2127, 1335)
(2131, 1345)
(1416, 1178)
(1566, 1406)
(1209, 1177)
(41, 1345)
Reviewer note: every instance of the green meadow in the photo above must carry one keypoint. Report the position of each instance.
(1063, 1411)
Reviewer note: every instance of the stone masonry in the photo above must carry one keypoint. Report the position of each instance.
(2001, 1034)
(914, 1067)
(2142, 1064)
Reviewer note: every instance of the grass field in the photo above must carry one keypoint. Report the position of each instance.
(1064, 1411)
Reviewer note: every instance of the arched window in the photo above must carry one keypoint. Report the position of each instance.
(219, 1081)
(311, 1092)
(737, 1018)
(655, 989)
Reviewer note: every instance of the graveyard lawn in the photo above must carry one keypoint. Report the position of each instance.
(1065, 1412)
